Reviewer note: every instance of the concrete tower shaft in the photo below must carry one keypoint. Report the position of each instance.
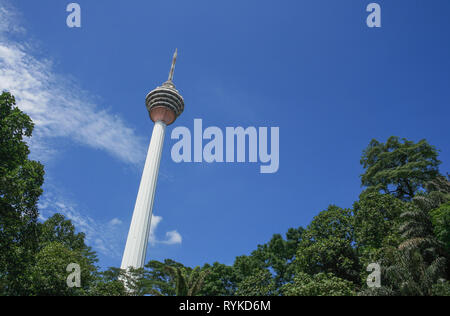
(164, 105)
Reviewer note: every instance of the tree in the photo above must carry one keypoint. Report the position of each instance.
(58, 229)
(279, 254)
(220, 281)
(399, 167)
(188, 282)
(438, 192)
(377, 221)
(419, 264)
(418, 230)
(59, 246)
(440, 218)
(327, 246)
(436, 202)
(158, 278)
(321, 284)
(442, 288)
(259, 283)
(49, 274)
(20, 188)
(108, 288)
(110, 283)
(406, 273)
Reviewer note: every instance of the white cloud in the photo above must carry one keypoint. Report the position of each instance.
(153, 226)
(115, 221)
(172, 237)
(58, 106)
(108, 237)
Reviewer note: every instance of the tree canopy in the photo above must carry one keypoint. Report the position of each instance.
(20, 187)
(400, 167)
(400, 222)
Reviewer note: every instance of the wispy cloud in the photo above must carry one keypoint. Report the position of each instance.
(101, 236)
(8, 18)
(58, 106)
(105, 237)
(115, 221)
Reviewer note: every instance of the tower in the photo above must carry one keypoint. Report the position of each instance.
(164, 105)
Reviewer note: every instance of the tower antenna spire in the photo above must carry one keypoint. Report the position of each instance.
(174, 60)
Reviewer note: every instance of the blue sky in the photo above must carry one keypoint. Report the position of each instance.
(312, 68)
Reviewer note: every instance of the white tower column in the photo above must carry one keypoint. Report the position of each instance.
(164, 105)
(137, 241)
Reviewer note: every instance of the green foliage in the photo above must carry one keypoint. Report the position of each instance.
(437, 193)
(220, 281)
(60, 245)
(437, 203)
(252, 276)
(158, 279)
(278, 255)
(133, 279)
(442, 288)
(188, 282)
(399, 167)
(49, 274)
(334, 221)
(406, 230)
(15, 125)
(417, 232)
(20, 187)
(321, 284)
(440, 218)
(408, 274)
(327, 246)
(377, 220)
(58, 229)
(110, 283)
(259, 283)
(173, 279)
(419, 262)
(245, 266)
(108, 288)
